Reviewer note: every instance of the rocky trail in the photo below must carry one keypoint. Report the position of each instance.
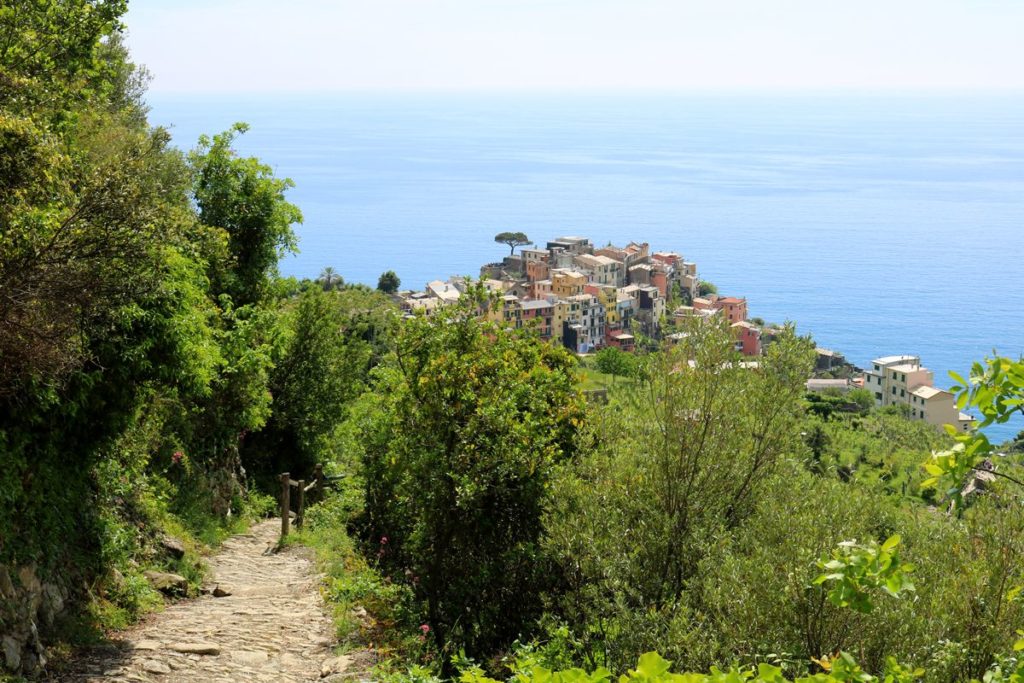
(268, 624)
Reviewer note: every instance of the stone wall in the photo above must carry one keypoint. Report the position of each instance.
(28, 605)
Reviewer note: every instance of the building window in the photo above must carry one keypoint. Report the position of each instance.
(902, 393)
(878, 395)
(894, 391)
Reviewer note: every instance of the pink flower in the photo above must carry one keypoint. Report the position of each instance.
(425, 629)
(383, 540)
(177, 457)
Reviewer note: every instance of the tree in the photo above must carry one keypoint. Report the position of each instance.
(681, 456)
(471, 421)
(328, 343)
(704, 288)
(388, 282)
(996, 389)
(616, 362)
(242, 197)
(512, 239)
(330, 279)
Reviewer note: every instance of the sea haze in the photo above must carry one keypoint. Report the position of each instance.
(880, 224)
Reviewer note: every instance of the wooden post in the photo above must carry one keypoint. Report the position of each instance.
(285, 503)
(301, 504)
(318, 472)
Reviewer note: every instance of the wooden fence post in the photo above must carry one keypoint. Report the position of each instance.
(301, 504)
(318, 472)
(285, 503)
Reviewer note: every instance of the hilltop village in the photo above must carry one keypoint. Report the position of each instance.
(588, 298)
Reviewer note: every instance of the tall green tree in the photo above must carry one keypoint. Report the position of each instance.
(330, 279)
(242, 196)
(677, 458)
(471, 423)
(512, 239)
(329, 341)
(388, 282)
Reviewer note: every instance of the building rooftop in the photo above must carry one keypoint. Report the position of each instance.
(926, 392)
(819, 384)
(889, 360)
(575, 274)
(905, 367)
(534, 304)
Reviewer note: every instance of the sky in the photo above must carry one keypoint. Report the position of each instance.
(265, 46)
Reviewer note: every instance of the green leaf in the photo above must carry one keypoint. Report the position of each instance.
(652, 665)
(891, 543)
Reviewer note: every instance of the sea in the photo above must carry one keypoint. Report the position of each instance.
(879, 223)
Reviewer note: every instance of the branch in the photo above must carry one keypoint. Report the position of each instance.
(999, 474)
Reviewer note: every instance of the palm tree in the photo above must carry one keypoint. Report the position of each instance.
(330, 279)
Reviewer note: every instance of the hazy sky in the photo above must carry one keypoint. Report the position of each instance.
(289, 45)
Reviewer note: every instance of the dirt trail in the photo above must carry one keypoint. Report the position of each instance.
(272, 627)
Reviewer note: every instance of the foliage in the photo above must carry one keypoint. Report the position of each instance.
(616, 362)
(330, 279)
(242, 197)
(327, 344)
(856, 570)
(704, 288)
(136, 340)
(388, 282)
(471, 421)
(512, 239)
(676, 460)
(996, 389)
(653, 668)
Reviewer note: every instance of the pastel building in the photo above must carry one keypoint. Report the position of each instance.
(902, 380)
(538, 313)
(748, 338)
(566, 283)
(584, 330)
(734, 309)
(601, 270)
(608, 297)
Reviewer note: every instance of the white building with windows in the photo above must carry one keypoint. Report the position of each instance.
(902, 380)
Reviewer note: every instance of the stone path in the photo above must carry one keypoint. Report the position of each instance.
(271, 627)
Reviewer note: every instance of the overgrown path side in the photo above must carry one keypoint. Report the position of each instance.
(272, 627)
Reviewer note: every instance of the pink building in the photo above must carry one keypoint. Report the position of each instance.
(748, 338)
(540, 311)
(735, 309)
(537, 270)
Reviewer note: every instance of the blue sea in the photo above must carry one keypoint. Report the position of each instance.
(880, 224)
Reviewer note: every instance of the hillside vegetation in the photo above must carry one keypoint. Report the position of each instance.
(156, 374)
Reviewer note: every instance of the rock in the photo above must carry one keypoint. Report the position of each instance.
(173, 547)
(167, 582)
(6, 585)
(155, 666)
(52, 603)
(221, 592)
(359, 612)
(27, 576)
(12, 653)
(30, 664)
(250, 657)
(196, 648)
(146, 645)
(335, 665)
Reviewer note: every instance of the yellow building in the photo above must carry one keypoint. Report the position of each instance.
(566, 283)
